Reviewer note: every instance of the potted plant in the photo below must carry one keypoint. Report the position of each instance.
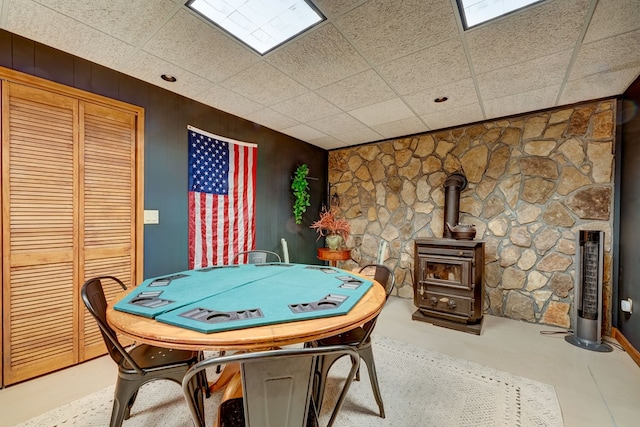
(335, 230)
(300, 187)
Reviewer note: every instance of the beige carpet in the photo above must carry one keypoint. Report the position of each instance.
(419, 388)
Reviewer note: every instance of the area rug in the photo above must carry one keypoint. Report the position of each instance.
(419, 388)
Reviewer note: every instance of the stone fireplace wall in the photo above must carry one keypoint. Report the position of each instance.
(533, 181)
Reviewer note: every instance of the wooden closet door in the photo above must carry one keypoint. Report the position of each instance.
(40, 231)
(107, 206)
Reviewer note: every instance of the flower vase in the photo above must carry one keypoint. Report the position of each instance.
(333, 241)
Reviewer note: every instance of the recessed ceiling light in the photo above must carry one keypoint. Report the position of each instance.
(260, 24)
(169, 78)
(441, 99)
(476, 12)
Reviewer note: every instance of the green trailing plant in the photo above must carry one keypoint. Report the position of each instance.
(300, 187)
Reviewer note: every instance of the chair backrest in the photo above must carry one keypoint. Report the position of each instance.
(381, 274)
(277, 385)
(94, 299)
(256, 256)
(285, 250)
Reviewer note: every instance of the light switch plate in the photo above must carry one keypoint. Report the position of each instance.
(151, 217)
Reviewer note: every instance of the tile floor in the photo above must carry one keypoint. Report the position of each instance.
(594, 389)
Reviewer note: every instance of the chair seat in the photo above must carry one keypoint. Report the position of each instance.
(232, 414)
(150, 357)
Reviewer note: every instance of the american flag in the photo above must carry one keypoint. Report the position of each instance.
(222, 180)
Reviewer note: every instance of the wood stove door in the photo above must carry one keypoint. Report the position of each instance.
(446, 271)
(445, 286)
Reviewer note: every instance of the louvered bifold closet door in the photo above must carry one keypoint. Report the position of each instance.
(108, 200)
(39, 195)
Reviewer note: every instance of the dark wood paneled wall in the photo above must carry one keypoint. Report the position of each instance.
(629, 201)
(166, 118)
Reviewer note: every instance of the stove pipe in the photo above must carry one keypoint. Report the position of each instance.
(455, 183)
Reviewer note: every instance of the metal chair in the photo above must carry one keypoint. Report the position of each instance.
(358, 338)
(142, 363)
(256, 256)
(276, 387)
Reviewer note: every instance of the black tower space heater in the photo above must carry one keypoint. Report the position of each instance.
(588, 292)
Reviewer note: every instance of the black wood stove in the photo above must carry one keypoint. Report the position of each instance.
(448, 288)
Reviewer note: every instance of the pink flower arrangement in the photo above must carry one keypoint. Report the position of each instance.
(329, 224)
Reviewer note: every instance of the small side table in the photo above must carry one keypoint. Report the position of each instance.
(333, 256)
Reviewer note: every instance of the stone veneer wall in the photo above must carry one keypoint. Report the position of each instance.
(533, 181)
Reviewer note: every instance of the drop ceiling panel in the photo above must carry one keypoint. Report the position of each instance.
(37, 22)
(359, 137)
(459, 93)
(319, 57)
(613, 17)
(265, 84)
(145, 67)
(447, 118)
(433, 66)
(337, 124)
(306, 108)
(596, 85)
(383, 112)
(524, 76)
(608, 55)
(111, 18)
(303, 132)
(227, 100)
(371, 71)
(549, 27)
(360, 90)
(401, 127)
(521, 102)
(385, 30)
(327, 142)
(199, 47)
(271, 119)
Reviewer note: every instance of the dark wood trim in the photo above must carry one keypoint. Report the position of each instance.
(626, 345)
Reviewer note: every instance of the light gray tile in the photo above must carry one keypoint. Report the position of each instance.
(327, 142)
(608, 55)
(383, 112)
(306, 107)
(385, 30)
(359, 136)
(303, 132)
(613, 17)
(264, 84)
(133, 23)
(549, 27)
(36, 22)
(145, 66)
(458, 116)
(188, 41)
(521, 102)
(363, 89)
(271, 119)
(334, 8)
(401, 127)
(434, 66)
(599, 85)
(318, 58)
(524, 76)
(459, 94)
(337, 124)
(226, 100)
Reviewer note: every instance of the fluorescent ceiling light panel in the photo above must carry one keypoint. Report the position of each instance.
(476, 12)
(260, 24)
